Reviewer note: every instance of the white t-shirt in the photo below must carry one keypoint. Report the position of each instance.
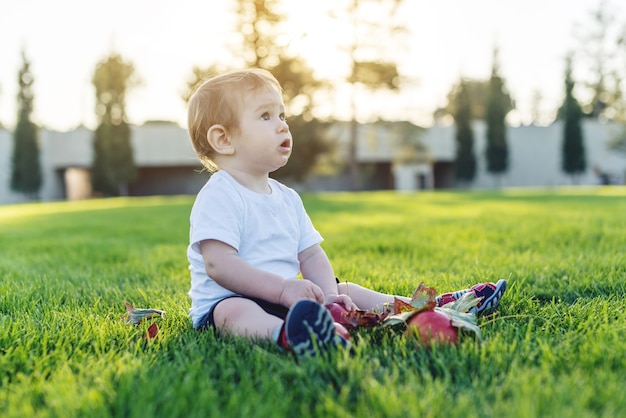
(267, 230)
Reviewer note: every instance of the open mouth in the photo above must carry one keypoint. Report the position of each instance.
(286, 144)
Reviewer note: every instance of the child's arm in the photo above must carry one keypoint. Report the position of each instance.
(315, 266)
(223, 264)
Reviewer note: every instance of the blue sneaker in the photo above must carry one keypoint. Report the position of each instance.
(309, 329)
(489, 293)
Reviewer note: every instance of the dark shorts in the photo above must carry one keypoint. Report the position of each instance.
(280, 311)
(275, 309)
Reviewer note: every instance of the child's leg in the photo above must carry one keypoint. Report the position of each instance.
(244, 317)
(368, 299)
(307, 328)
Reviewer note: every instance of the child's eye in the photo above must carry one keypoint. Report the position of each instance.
(265, 116)
(282, 117)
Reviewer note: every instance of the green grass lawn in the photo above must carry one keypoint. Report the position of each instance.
(556, 348)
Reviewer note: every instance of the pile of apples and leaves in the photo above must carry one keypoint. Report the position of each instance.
(421, 317)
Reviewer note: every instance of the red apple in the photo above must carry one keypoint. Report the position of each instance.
(337, 311)
(433, 326)
(342, 331)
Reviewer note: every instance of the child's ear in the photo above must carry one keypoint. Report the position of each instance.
(219, 140)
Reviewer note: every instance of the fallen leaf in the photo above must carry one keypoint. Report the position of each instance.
(359, 318)
(424, 297)
(152, 332)
(464, 303)
(136, 315)
(400, 306)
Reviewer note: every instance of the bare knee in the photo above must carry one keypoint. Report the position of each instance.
(244, 317)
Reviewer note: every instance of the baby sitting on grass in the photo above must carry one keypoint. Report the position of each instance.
(250, 236)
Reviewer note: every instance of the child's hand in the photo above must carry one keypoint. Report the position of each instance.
(294, 290)
(343, 300)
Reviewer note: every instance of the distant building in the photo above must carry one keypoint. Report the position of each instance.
(534, 158)
(534, 155)
(168, 165)
(163, 154)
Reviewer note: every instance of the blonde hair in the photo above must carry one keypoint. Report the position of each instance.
(217, 101)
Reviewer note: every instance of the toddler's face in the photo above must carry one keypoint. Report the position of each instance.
(263, 142)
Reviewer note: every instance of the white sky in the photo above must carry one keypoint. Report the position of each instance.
(65, 39)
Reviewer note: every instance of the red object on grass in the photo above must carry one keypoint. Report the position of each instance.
(433, 326)
(152, 332)
(339, 314)
(337, 311)
(342, 331)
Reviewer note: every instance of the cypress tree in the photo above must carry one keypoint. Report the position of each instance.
(497, 152)
(113, 165)
(574, 160)
(465, 158)
(26, 168)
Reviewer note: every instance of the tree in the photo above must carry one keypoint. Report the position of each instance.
(312, 142)
(465, 158)
(371, 34)
(599, 51)
(618, 142)
(259, 25)
(498, 105)
(113, 166)
(574, 159)
(26, 173)
(476, 90)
